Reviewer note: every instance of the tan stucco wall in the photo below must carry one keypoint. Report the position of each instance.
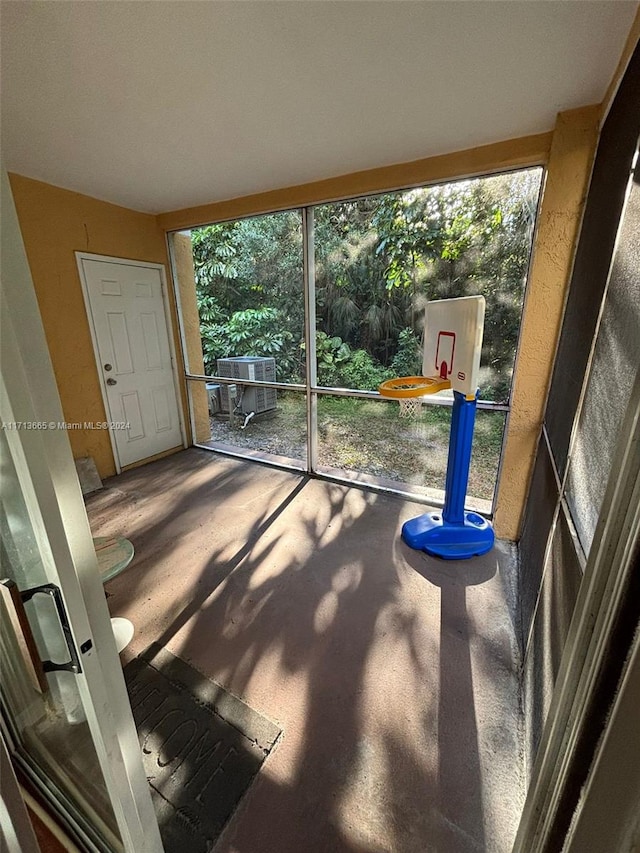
(568, 172)
(185, 282)
(55, 223)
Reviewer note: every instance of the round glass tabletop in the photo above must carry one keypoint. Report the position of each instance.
(114, 554)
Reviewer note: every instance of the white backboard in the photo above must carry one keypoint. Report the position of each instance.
(453, 341)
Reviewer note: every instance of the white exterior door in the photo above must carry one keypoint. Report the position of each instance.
(126, 308)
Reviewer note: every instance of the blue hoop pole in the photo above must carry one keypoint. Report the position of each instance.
(454, 534)
(463, 420)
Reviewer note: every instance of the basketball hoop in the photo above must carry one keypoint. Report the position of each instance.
(409, 390)
(403, 387)
(452, 348)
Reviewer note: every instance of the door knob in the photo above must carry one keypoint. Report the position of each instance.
(107, 367)
(111, 381)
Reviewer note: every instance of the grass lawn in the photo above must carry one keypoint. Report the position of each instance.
(368, 436)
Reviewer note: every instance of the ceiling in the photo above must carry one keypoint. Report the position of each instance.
(163, 105)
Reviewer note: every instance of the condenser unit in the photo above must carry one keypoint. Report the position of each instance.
(213, 398)
(249, 398)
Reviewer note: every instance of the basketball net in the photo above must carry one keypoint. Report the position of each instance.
(410, 407)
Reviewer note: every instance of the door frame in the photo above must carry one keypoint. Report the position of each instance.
(600, 606)
(109, 259)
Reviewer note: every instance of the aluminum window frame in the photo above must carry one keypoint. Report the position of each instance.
(310, 387)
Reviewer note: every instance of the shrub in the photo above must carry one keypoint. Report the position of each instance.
(362, 372)
(332, 354)
(408, 358)
(256, 331)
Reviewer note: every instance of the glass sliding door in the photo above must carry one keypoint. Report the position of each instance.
(44, 712)
(65, 711)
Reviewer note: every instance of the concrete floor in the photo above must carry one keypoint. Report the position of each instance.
(393, 676)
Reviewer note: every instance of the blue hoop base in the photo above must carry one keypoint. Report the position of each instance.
(449, 540)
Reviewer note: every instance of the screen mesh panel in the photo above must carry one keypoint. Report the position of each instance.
(593, 258)
(615, 364)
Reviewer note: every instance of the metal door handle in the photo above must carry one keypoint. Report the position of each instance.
(111, 381)
(73, 664)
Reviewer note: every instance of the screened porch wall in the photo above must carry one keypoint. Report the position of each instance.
(597, 359)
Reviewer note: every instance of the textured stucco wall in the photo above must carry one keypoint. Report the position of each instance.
(55, 223)
(568, 171)
(185, 283)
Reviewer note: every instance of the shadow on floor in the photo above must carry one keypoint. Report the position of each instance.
(392, 675)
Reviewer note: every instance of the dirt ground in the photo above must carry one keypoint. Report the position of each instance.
(370, 437)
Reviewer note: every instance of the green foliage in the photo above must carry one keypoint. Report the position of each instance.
(215, 250)
(331, 355)
(378, 260)
(408, 359)
(361, 371)
(341, 367)
(256, 331)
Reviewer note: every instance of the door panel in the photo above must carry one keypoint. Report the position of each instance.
(128, 316)
(47, 721)
(151, 341)
(46, 713)
(119, 340)
(65, 716)
(161, 408)
(132, 414)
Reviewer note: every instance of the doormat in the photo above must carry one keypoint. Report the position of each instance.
(201, 747)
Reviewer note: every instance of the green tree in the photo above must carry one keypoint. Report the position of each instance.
(378, 261)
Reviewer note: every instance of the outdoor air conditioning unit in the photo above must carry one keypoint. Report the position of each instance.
(249, 399)
(213, 398)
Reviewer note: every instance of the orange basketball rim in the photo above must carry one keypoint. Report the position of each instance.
(412, 386)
